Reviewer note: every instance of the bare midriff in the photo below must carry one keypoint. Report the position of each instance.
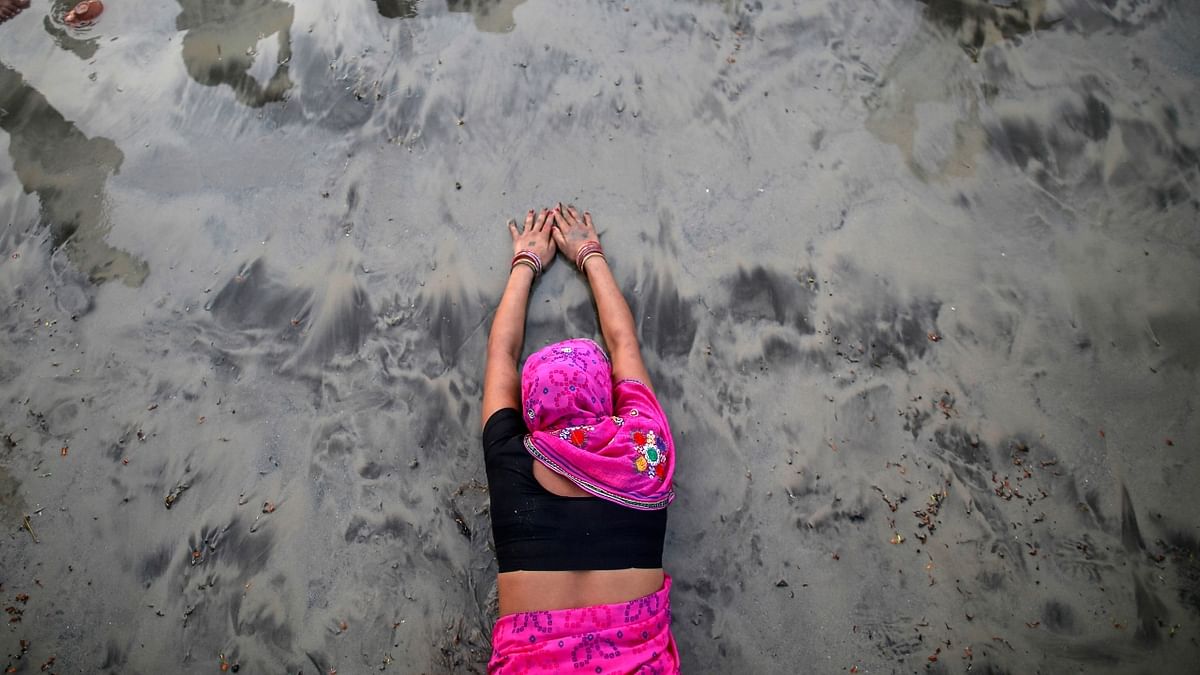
(538, 591)
(543, 591)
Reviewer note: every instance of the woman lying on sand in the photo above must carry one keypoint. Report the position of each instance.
(579, 463)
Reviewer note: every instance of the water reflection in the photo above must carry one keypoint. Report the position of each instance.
(67, 170)
(978, 23)
(491, 16)
(397, 9)
(65, 37)
(929, 86)
(221, 45)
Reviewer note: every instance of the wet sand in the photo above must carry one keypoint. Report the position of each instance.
(917, 282)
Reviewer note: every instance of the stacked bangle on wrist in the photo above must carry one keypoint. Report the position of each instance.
(530, 260)
(588, 250)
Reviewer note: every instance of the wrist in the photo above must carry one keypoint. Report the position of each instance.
(523, 269)
(527, 258)
(593, 261)
(589, 250)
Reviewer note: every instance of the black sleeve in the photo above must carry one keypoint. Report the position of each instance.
(503, 425)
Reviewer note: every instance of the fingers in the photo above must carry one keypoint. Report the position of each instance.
(540, 223)
(560, 221)
(512, 229)
(587, 221)
(570, 214)
(559, 238)
(528, 220)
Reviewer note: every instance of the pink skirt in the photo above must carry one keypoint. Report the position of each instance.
(627, 637)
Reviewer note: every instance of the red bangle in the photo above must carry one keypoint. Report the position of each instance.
(528, 258)
(584, 251)
(593, 254)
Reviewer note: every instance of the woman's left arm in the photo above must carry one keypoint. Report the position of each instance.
(501, 382)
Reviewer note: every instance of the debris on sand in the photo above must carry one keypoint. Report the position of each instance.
(174, 494)
(926, 516)
(29, 526)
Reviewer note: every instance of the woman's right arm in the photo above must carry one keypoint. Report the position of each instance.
(571, 233)
(501, 379)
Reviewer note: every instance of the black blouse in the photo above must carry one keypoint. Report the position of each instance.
(535, 529)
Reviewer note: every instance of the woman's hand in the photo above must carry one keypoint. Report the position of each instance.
(571, 231)
(534, 236)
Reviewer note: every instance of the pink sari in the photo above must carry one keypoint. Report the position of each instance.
(626, 637)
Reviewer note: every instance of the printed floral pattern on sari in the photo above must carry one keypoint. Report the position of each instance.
(621, 638)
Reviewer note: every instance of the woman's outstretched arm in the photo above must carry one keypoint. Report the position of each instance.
(572, 233)
(501, 382)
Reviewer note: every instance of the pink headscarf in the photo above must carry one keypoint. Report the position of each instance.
(612, 442)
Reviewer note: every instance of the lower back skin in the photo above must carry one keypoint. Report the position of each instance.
(526, 591)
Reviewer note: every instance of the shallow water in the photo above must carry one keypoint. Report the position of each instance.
(924, 273)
